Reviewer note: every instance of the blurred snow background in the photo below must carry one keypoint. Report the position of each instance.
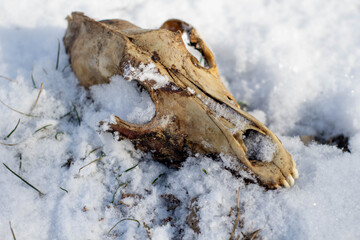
(294, 63)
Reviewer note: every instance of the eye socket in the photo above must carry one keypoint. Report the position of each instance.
(193, 50)
(201, 54)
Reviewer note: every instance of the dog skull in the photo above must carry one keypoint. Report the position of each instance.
(194, 110)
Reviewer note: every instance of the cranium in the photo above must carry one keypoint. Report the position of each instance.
(195, 113)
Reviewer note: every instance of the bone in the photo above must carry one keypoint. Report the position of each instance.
(285, 184)
(295, 173)
(290, 180)
(195, 113)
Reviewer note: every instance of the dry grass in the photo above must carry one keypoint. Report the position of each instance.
(98, 159)
(22, 113)
(125, 219)
(24, 180)
(9, 79)
(12, 231)
(238, 214)
(12, 130)
(38, 97)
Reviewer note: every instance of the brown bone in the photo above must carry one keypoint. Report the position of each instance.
(194, 110)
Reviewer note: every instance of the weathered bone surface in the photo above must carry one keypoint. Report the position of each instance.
(195, 113)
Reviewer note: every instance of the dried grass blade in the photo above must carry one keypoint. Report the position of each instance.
(23, 180)
(147, 228)
(77, 114)
(9, 144)
(25, 114)
(32, 79)
(68, 65)
(12, 130)
(125, 219)
(9, 79)
(238, 214)
(58, 55)
(37, 99)
(64, 189)
(42, 128)
(12, 231)
(98, 159)
(129, 169)
(113, 199)
(57, 135)
(92, 151)
(153, 182)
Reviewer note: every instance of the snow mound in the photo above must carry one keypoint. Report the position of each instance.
(295, 64)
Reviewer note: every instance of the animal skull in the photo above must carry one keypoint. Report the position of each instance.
(194, 110)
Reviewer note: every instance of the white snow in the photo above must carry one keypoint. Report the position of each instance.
(295, 63)
(146, 72)
(221, 110)
(259, 147)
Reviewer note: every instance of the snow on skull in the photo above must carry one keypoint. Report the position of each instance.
(194, 110)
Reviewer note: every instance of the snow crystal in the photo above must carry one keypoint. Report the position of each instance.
(192, 91)
(123, 99)
(222, 110)
(259, 147)
(146, 72)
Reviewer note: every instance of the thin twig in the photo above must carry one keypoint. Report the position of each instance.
(12, 130)
(125, 219)
(23, 180)
(25, 114)
(238, 214)
(12, 230)
(37, 99)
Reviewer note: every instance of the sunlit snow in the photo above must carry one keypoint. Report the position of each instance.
(294, 63)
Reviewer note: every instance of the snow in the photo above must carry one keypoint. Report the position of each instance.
(146, 72)
(295, 63)
(138, 105)
(259, 147)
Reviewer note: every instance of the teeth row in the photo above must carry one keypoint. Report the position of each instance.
(290, 180)
(285, 184)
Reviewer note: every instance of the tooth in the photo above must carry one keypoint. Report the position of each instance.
(295, 173)
(285, 183)
(290, 180)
